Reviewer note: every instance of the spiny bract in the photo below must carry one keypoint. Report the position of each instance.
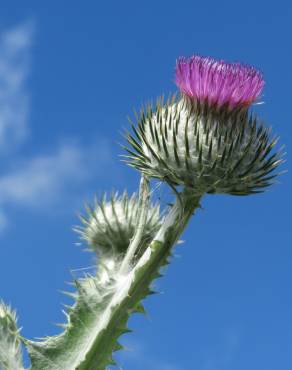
(209, 150)
(110, 225)
(10, 347)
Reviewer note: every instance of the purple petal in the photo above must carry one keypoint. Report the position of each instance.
(217, 82)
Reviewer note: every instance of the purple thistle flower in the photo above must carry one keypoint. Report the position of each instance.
(217, 82)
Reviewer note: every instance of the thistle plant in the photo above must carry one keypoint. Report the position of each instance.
(203, 140)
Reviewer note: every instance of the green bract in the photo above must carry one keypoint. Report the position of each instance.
(111, 224)
(205, 149)
(10, 345)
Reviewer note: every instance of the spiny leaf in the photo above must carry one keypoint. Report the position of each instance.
(100, 315)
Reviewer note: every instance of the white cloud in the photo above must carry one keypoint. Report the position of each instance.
(15, 49)
(40, 179)
(44, 179)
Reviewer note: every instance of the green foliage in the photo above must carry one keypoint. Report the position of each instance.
(209, 150)
(105, 302)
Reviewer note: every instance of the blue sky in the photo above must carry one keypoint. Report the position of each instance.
(70, 73)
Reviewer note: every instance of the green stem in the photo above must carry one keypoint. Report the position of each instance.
(100, 314)
(135, 285)
(144, 195)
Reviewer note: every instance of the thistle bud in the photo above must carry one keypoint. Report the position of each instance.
(206, 140)
(10, 347)
(111, 224)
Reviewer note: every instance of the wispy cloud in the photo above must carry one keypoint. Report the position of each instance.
(42, 179)
(15, 50)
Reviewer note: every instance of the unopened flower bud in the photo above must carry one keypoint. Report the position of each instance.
(10, 348)
(109, 227)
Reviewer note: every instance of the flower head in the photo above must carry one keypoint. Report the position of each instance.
(207, 152)
(217, 82)
(207, 140)
(111, 224)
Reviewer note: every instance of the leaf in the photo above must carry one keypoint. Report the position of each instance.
(105, 302)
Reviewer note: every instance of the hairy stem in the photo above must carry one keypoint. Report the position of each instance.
(100, 314)
(144, 194)
(135, 285)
